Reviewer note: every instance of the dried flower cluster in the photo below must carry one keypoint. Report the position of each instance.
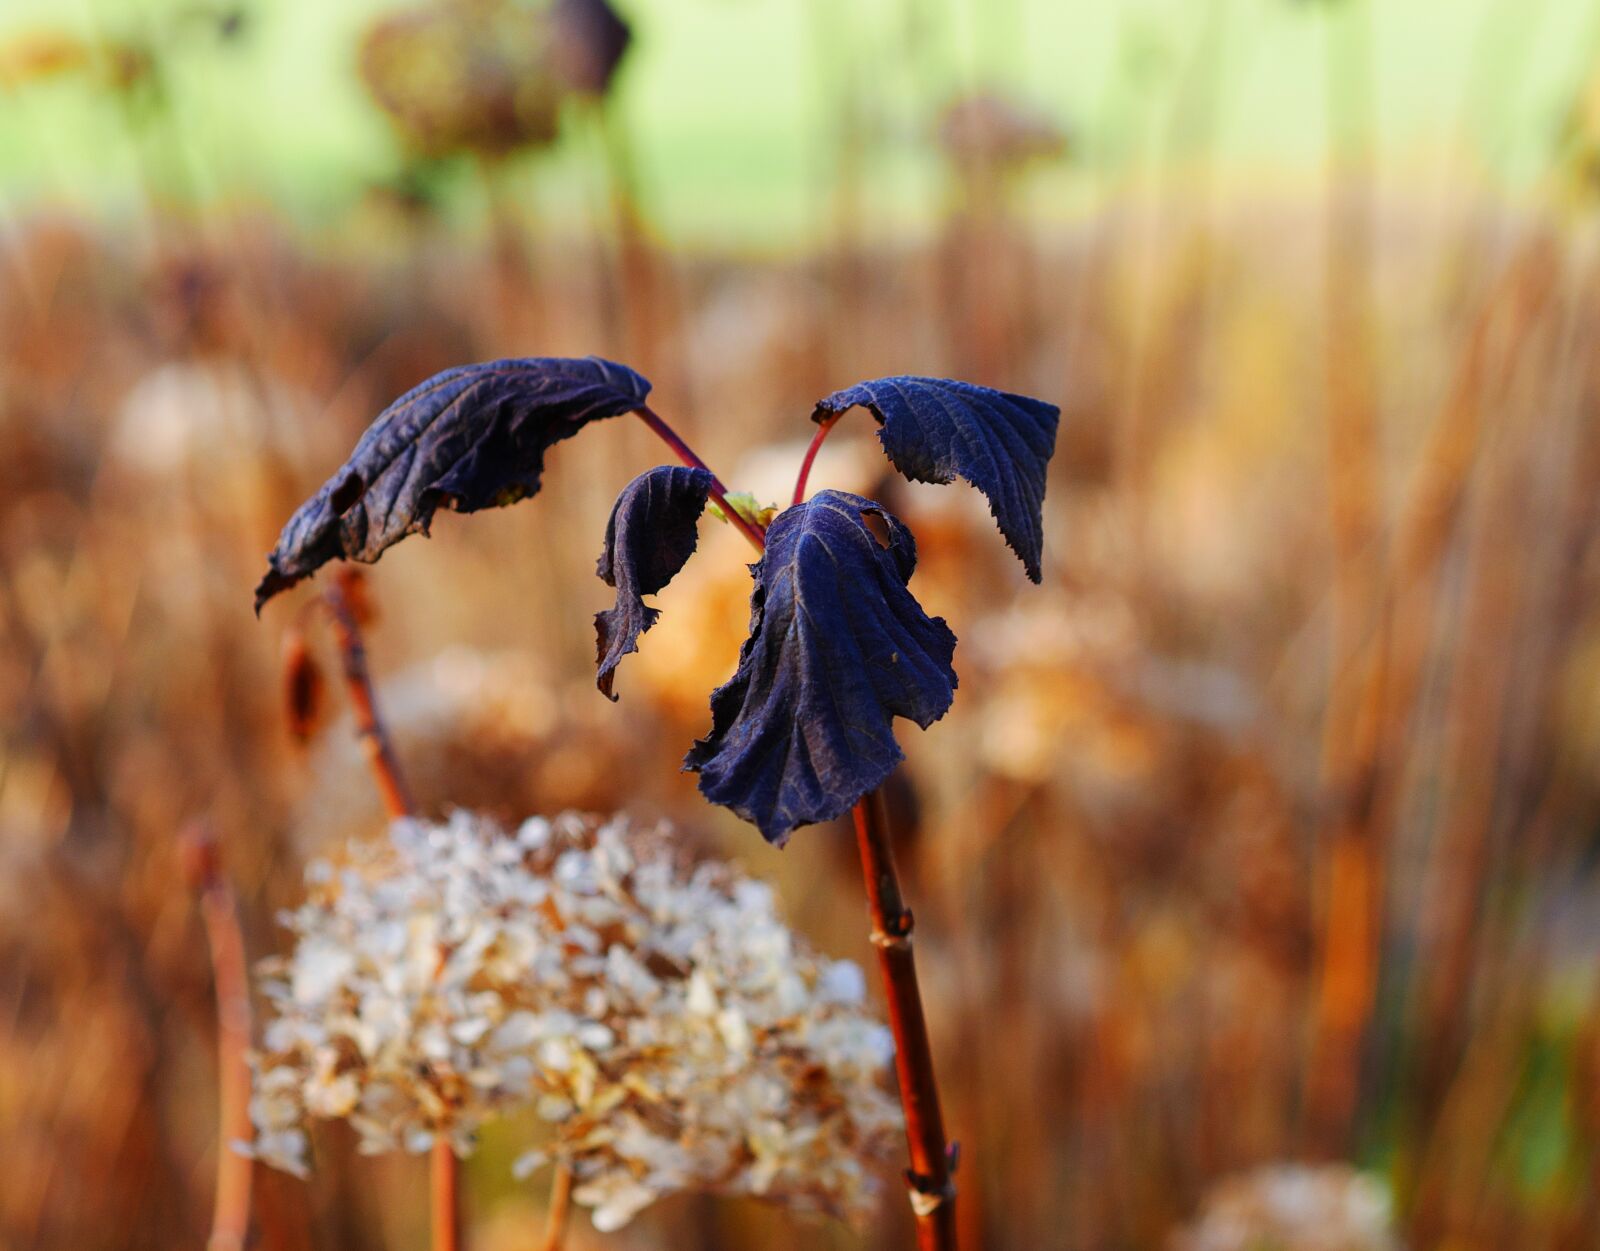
(674, 1033)
(1294, 1207)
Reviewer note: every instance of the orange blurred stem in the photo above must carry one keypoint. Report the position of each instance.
(444, 1170)
(230, 1222)
(823, 427)
(445, 1184)
(1352, 848)
(687, 455)
(397, 801)
(560, 1208)
(931, 1176)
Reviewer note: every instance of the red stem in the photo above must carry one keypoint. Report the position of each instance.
(823, 426)
(375, 742)
(444, 1170)
(931, 1177)
(687, 455)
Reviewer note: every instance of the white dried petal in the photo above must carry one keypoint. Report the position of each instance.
(701, 999)
(319, 968)
(735, 1030)
(529, 1163)
(842, 982)
(615, 1200)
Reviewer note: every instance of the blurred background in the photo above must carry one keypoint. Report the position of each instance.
(1256, 863)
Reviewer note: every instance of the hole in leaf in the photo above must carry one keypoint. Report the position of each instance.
(347, 493)
(878, 527)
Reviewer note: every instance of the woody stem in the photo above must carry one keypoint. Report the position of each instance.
(931, 1176)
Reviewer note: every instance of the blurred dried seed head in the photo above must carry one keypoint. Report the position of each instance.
(1293, 1207)
(473, 77)
(985, 131)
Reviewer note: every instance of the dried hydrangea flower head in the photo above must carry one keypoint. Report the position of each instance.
(673, 1032)
(1294, 1207)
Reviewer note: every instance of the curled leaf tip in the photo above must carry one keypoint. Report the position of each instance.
(469, 438)
(838, 648)
(939, 429)
(274, 583)
(650, 536)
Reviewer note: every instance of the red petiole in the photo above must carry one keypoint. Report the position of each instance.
(755, 533)
(823, 426)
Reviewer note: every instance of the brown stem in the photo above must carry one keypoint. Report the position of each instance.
(230, 1222)
(687, 455)
(444, 1170)
(823, 427)
(931, 1176)
(650, 312)
(397, 800)
(560, 1207)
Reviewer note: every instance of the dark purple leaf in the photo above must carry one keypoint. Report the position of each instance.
(937, 429)
(649, 538)
(838, 648)
(469, 438)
